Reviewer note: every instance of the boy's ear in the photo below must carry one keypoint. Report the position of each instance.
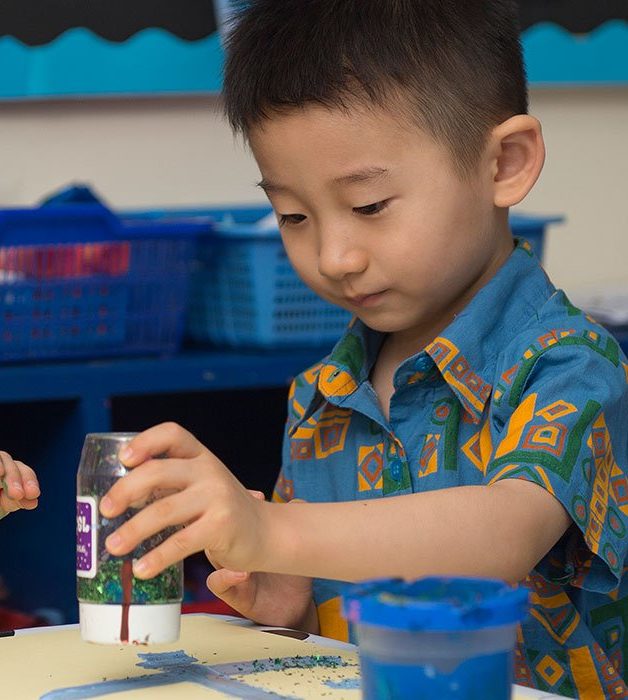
(517, 154)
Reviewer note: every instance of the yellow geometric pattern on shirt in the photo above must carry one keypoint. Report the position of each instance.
(329, 433)
(550, 670)
(520, 419)
(335, 382)
(556, 410)
(457, 372)
(295, 407)
(592, 673)
(331, 623)
(619, 488)
(478, 448)
(371, 467)
(311, 375)
(516, 425)
(552, 608)
(585, 675)
(599, 443)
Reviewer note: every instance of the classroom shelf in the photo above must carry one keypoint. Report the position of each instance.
(45, 411)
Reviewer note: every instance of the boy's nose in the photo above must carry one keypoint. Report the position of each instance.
(340, 257)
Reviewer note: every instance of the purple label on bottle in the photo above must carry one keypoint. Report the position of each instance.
(86, 514)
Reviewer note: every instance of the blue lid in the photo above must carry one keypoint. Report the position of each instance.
(435, 604)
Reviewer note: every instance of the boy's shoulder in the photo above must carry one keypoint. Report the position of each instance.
(565, 359)
(559, 329)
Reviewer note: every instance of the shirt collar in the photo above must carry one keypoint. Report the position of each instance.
(465, 351)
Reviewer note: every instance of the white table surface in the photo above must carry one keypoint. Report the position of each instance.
(522, 692)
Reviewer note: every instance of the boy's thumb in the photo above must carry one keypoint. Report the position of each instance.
(220, 581)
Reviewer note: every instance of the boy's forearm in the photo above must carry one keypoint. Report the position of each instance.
(500, 531)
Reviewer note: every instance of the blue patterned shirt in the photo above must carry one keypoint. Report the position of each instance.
(520, 385)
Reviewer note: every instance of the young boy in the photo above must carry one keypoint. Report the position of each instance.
(19, 487)
(471, 421)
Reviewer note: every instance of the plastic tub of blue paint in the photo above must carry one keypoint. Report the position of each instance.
(436, 638)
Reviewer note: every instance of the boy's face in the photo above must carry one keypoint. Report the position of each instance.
(374, 218)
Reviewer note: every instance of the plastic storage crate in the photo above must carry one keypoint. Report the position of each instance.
(245, 292)
(78, 281)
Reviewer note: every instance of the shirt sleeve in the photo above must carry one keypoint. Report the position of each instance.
(565, 428)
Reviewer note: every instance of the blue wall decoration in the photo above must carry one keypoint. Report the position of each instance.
(70, 48)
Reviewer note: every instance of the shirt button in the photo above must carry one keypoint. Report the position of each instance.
(395, 470)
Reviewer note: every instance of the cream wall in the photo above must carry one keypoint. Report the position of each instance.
(180, 152)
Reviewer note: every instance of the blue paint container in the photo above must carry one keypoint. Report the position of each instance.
(436, 638)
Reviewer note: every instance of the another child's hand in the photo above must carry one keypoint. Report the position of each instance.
(268, 599)
(217, 512)
(19, 487)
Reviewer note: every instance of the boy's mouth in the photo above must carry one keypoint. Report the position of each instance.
(367, 300)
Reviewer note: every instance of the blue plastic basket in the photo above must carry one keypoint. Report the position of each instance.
(245, 292)
(78, 281)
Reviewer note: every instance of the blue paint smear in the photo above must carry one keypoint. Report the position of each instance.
(179, 667)
(166, 659)
(346, 684)
(80, 62)
(176, 667)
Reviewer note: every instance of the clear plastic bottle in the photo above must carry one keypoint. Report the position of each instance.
(114, 606)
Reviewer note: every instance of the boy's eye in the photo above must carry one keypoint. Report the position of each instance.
(291, 219)
(371, 209)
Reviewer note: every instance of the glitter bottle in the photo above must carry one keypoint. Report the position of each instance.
(114, 606)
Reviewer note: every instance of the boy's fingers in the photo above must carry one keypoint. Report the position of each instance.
(10, 475)
(178, 546)
(163, 513)
(221, 581)
(139, 485)
(29, 503)
(30, 484)
(164, 439)
(257, 494)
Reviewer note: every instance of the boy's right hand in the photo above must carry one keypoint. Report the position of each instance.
(268, 599)
(19, 487)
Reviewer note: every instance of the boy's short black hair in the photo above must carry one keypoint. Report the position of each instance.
(456, 64)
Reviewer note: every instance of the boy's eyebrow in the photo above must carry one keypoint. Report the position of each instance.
(363, 175)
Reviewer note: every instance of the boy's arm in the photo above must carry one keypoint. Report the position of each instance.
(499, 531)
